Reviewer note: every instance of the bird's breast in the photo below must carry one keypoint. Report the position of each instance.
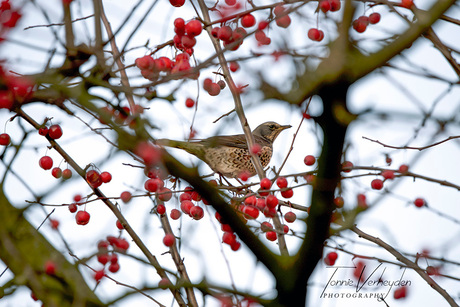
(232, 161)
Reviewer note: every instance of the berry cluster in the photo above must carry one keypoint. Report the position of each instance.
(107, 254)
(360, 24)
(185, 34)
(231, 38)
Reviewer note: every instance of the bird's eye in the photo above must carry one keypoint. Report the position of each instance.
(272, 126)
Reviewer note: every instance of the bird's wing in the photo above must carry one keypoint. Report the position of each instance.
(238, 141)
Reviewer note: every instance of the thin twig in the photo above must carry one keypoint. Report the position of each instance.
(407, 262)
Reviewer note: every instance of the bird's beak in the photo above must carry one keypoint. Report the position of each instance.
(281, 128)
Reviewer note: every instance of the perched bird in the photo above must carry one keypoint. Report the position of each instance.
(228, 155)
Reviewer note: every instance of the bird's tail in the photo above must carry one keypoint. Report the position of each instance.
(191, 147)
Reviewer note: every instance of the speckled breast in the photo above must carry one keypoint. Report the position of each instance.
(232, 161)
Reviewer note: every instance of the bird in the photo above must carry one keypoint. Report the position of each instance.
(228, 155)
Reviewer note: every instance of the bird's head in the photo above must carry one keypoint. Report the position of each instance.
(269, 130)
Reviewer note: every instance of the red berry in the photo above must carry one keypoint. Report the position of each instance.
(214, 89)
(234, 66)
(103, 245)
(321, 35)
(46, 162)
(335, 5)
(265, 184)
(55, 132)
(339, 202)
(266, 226)
(122, 244)
(164, 194)
(248, 21)
(359, 26)
(207, 84)
(260, 203)
(54, 224)
(177, 3)
(431, 270)
(330, 258)
(285, 228)
(43, 131)
(93, 178)
(419, 202)
(185, 196)
(67, 173)
(262, 25)
(5, 139)
(196, 212)
(358, 272)
(56, 172)
(175, 214)
(281, 182)
(114, 267)
(125, 196)
(193, 27)
(188, 41)
(119, 225)
(388, 160)
(290, 217)
(186, 206)
(250, 201)
(279, 10)
(399, 293)
(347, 164)
(235, 246)
(144, 63)
(309, 160)
(112, 240)
(374, 18)
(196, 196)
(313, 34)
(215, 32)
(407, 3)
(73, 207)
(324, 6)
(271, 201)
(228, 237)
(377, 184)
(148, 153)
(364, 19)
(103, 258)
(225, 33)
(283, 22)
(222, 84)
(106, 177)
(169, 239)
(151, 185)
(230, 2)
(98, 275)
(189, 103)
(179, 23)
(50, 267)
(250, 212)
(287, 193)
(362, 201)
(82, 217)
(403, 168)
(6, 100)
(271, 235)
(388, 174)
(161, 209)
